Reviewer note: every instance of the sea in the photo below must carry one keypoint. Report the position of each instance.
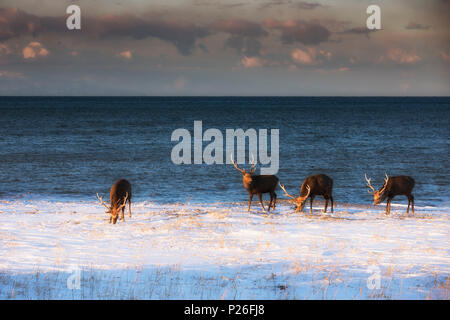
(70, 148)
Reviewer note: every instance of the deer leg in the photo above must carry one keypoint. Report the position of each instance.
(250, 201)
(412, 204)
(388, 206)
(260, 200)
(129, 208)
(311, 202)
(332, 203)
(271, 199)
(407, 209)
(274, 200)
(326, 204)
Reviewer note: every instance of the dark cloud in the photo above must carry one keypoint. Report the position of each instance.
(307, 5)
(299, 31)
(239, 27)
(243, 35)
(416, 26)
(359, 31)
(16, 23)
(249, 46)
(304, 5)
(182, 35)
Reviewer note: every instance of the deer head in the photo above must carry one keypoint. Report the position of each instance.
(247, 175)
(113, 209)
(378, 195)
(300, 200)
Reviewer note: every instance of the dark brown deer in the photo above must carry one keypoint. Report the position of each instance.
(258, 184)
(119, 195)
(316, 185)
(393, 186)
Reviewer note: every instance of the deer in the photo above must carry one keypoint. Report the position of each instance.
(316, 185)
(258, 184)
(393, 186)
(119, 195)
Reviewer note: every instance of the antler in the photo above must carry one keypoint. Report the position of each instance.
(124, 203)
(235, 165)
(309, 191)
(368, 184)
(253, 168)
(282, 187)
(101, 201)
(385, 182)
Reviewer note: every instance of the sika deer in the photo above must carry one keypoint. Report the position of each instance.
(258, 184)
(395, 186)
(119, 195)
(316, 185)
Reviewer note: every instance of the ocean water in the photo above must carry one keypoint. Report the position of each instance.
(66, 148)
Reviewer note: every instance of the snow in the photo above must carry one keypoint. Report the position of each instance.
(221, 251)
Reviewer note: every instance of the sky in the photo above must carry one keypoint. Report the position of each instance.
(225, 47)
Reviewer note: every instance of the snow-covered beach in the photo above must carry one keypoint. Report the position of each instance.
(220, 251)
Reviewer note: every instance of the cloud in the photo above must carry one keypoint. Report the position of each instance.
(16, 23)
(359, 31)
(310, 56)
(239, 27)
(4, 49)
(180, 83)
(34, 50)
(126, 54)
(182, 35)
(300, 5)
(246, 45)
(416, 26)
(243, 35)
(11, 75)
(308, 5)
(333, 70)
(400, 56)
(299, 31)
(445, 56)
(252, 62)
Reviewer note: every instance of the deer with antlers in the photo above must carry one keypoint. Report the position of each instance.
(258, 184)
(119, 195)
(393, 186)
(316, 185)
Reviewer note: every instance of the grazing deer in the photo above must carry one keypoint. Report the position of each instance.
(258, 184)
(316, 185)
(119, 195)
(394, 186)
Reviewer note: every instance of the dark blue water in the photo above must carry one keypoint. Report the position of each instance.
(74, 147)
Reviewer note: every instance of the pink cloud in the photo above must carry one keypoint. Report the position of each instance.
(299, 31)
(126, 54)
(310, 56)
(445, 56)
(4, 49)
(402, 57)
(253, 62)
(11, 75)
(34, 50)
(180, 83)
